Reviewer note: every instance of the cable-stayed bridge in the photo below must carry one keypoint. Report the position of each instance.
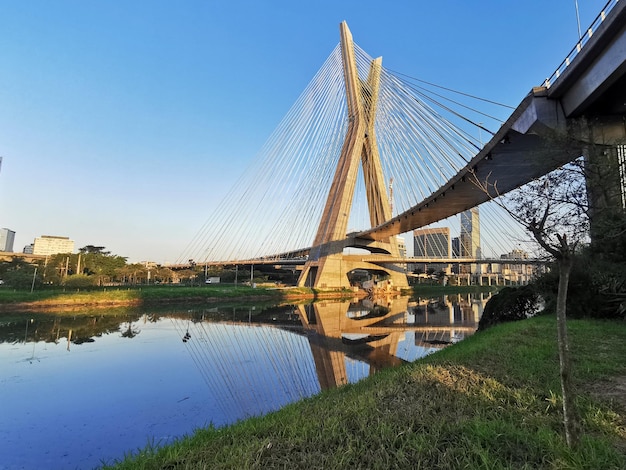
(364, 156)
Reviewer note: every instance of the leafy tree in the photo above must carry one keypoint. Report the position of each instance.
(13, 264)
(56, 268)
(91, 249)
(187, 275)
(163, 274)
(95, 261)
(134, 273)
(19, 274)
(78, 281)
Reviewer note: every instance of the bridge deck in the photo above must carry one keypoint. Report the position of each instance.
(514, 156)
(592, 83)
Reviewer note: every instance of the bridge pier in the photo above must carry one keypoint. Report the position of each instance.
(605, 173)
(601, 141)
(327, 266)
(330, 269)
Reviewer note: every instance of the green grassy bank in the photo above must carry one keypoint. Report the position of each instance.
(135, 296)
(122, 296)
(491, 401)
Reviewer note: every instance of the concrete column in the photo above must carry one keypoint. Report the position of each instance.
(605, 173)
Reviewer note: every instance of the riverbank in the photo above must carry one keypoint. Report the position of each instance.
(43, 300)
(490, 401)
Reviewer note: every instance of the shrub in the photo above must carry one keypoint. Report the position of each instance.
(510, 304)
(597, 288)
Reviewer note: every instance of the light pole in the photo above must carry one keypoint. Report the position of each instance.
(32, 286)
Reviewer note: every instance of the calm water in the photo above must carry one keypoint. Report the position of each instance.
(77, 390)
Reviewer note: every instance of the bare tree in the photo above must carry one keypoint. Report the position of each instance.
(554, 210)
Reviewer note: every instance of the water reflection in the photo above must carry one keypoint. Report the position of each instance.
(385, 333)
(129, 376)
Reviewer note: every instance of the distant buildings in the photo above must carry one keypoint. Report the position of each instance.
(51, 245)
(7, 237)
(431, 243)
(515, 254)
(456, 247)
(469, 240)
(401, 246)
(465, 263)
(517, 272)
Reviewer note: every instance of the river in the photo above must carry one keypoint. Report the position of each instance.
(80, 389)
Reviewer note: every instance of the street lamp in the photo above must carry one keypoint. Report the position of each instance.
(32, 286)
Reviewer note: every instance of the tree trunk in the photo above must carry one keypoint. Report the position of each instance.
(570, 415)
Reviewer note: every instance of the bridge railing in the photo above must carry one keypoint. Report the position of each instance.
(580, 44)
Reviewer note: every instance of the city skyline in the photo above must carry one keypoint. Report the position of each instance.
(123, 127)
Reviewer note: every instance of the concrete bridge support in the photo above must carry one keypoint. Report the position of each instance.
(605, 170)
(327, 267)
(601, 140)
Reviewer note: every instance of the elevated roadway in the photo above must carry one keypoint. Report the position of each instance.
(591, 82)
(9, 255)
(371, 258)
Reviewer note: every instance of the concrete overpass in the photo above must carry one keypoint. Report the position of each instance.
(8, 256)
(590, 83)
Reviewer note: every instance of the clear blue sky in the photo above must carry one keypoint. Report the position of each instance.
(123, 123)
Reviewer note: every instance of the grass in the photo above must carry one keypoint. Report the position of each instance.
(130, 296)
(491, 401)
(109, 296)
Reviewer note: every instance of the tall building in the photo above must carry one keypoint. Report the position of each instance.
(456, 252)
(51, 245)
(431, 242)
(7, 237)
(401, 246)
(456, 247)
(469, 239)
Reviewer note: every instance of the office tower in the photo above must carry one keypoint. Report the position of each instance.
(431, 242)
(469, 239)
(7, 237)
(51, 245)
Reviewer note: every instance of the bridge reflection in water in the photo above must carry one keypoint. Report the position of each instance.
(384, 334)
(253, 367)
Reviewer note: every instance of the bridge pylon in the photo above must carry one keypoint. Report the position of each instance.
(326, 266)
